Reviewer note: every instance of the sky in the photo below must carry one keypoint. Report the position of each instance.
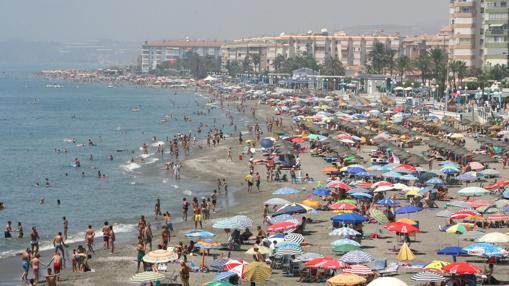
(138, 20)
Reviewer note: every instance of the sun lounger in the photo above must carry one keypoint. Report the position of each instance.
(391, 269)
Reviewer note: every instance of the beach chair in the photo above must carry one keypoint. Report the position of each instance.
(390, 270)
(380, 265)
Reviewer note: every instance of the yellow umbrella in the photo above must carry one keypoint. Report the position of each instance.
(436, 265)
(262, 249)
(412, 193)
(346, 279)
(407, 221)
(456, 136)
(257, 272)
(312, 203)
(405, 254)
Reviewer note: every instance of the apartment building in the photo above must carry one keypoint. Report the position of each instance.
(413, 46)
(495, 28)
(154, 53)
(352, 50)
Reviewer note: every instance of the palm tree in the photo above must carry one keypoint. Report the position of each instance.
(377, 57)
(453, 67)
(255, 58)
(389, 62)
(462, 71)
(439, 67)
(402, 65)
(423, 64)
(278, 62)
(332, 66)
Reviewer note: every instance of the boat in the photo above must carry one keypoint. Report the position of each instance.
(54, 86)
(136, 108)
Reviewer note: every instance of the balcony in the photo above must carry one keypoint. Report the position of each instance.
(496, 45)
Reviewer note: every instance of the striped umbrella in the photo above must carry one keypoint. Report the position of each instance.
(227, 223)
(329, 264)
(288, 248)
(308, 256)
(242, 220)
(224, 275)
(276, 201)
(218, 264)
(208, 244)
(358, 269)
(341, 249)
(147, 276)
(472, 191)
(388, 202)
(345, 241)
(344, 231)
(295, 238)
(257, 272)
(378, 215)
(160, 256)
(284, 217)
(233, 263)
(427, 276)
(357, 257)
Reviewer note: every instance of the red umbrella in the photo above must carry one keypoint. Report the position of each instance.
(498, 217)
(364, 184)
(382, 184)
(497, 185)
(325, 263)
(478, 203)
(407, 167)
(401, 227)
(340, 185)
(359, 270)
(233, 263)
(461, 268)
(463, 214)
(297, 140)
(282, 226)
(343, 206)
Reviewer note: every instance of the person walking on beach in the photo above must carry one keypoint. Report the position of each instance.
(157, 209)
(89, 238)
(249, 179)
(257, 181)
(57, 262)
(25, 263)
(225, 185)
(35, 263)
(197, 216)
(229, 155)
(147, 236)
(34, 241)
(112, 240)
(214, 200)
(66, 226)
(219, 184)
(106, 235)
(184, 273)
(185, 209)
(140, 252)
(58, 244)
(141, 225)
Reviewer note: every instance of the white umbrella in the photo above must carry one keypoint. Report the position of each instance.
(276, 201)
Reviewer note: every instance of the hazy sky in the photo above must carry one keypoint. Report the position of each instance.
(136, 20)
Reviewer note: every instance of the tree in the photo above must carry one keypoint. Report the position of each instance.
(498, 72)
(199, 66)
(389, 62)
(439, 67)
(402, 65)
(377, 57)
(246, 63)
(423, 64)
(462, 71)
(454, 67)
(233, 68)
(256, 60)
(278, 62)
(332, 66)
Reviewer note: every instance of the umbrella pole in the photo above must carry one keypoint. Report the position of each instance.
(203, 260)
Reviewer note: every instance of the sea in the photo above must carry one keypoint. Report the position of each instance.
(43, 129)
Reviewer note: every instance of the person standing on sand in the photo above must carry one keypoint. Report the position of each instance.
(185, 209)
(257, 181)
(249, 179)
(51, 279)
(34, 241)
(57, 262)
(165, 237)
(197, 216)
(265, 213)
(157, 209)
(25, 263)
(106, 235)
(112, 240)
(35, 263)
(219, 184)
(89, 238)
(147, 236)
(66, 226)
(229, 155)
(140, 252)
(184, 273)
(141, 225)
(58, 243)
(214, 200)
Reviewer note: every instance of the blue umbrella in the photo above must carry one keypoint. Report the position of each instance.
(224, 275)
(356, 257)
(435, 181)
(349, 218)
(363, 174)
(358, 190)
(385, 168)
(199, 233)
(388, 202)
(485, 249)
(218, 264)
(285, 191)
(428, 189)
(284, 217)
(452, 251)
(506, 194)
(355, 170)
(266, 143)
(408, 178)
(466, 177)
(322, 192)
(291, 209)
(407, 210)
(361, 196)
(208, 244)
(393, 175)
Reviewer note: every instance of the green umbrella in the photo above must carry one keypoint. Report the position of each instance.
(341, 249)
(353, 202)
(349, 158)
(217, 283)
(378, 215)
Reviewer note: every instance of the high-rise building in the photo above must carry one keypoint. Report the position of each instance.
(479, 32)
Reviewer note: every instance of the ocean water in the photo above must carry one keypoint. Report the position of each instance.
(35, 120)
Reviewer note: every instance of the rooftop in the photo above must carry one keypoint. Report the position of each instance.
(184, 43)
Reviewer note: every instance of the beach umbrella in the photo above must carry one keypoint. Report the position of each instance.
(147, 276)
(329, 170)
(358, 269)
(378, 215)
(208, 244)
(472, 235)
(284, 217)
(345, 241)
(461, 268)
(262, 249)
(266, 143)
(400, 227)
(405, 253)
(388, 202)
(485, 249)
(242, 220)
(297, 140)
(407, 221)
(392, 175)
(346, 279)
(458, 204)
(444, 213)
(296, 238)
(160, 256)
(399, 186)
(307, 256)
(344, 231)
(472, 191)
(217, 283)
(364, 174)
(448, 169)
(325, 263)
(349, 218)
(356, 257)
(382, 184)
(464, 214)
(224, 275)
(490, 173)
(340, 249)
(498, 185)
(407, 210)
(427, 189)
(350, 201)
(311, 203)
(498, 217)
(387, 281)
(361, 196)
(435, 181)
(476, 166)
(199, 234)
(382, 189)
(435, 266)
(339, 185)
(406, 167)
(285, 191)
(257, 272)
(363, 184)
(234, 264)
(467, 177)
(505, 195)
(227, 223)
(288, 248)
(282, 226)
(408, 178)
(291, 209)
(322, 192)
(452, 251)
(342, 206)
(494, 237)
(487, 209)
(458, 228)
(218, 264)
(276, 201)
(427, 276)
(358, 190)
